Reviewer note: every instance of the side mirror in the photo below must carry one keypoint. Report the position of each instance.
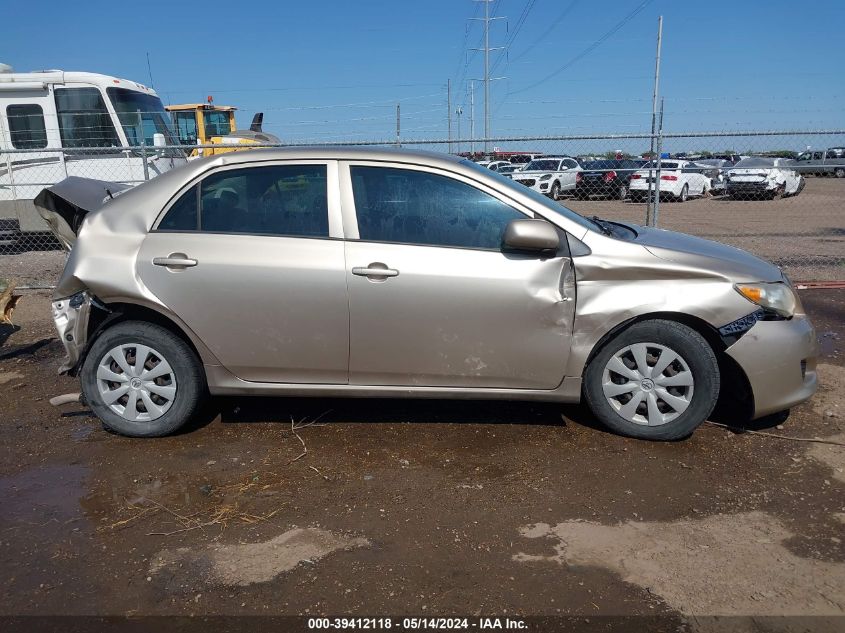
(533, 236)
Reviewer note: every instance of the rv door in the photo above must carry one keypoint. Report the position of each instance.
(30, 156)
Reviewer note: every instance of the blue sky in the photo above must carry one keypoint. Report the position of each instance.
(334, 70)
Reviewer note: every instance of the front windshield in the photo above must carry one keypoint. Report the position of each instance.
(543, 164)
(539, 198)
(755, 161)
(129, 105)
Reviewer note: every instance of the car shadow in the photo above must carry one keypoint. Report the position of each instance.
(381, 411)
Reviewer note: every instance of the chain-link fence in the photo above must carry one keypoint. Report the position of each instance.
(777, 194)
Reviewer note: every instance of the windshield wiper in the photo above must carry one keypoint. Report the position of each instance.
(604, 225)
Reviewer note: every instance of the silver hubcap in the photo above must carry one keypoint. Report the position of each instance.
(648, 384)
(136, 382)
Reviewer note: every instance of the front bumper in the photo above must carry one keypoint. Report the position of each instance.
(543, 186)
(71, 316)
(779, 360)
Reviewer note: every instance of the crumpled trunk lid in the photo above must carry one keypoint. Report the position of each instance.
(65, 205)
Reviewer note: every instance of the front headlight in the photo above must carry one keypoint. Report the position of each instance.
(777, 297)
(545, 176)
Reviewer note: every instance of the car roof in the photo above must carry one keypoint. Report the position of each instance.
(333, 152)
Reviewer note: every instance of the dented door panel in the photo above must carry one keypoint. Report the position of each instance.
(458, 318)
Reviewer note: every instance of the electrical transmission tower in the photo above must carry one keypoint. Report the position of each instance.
(487, 19)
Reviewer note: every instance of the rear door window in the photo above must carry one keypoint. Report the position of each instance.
(286, 200)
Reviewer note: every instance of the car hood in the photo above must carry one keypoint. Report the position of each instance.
(688, 250)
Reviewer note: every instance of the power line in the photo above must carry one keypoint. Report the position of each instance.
(589, 49)
(520, 22)
(548, 31)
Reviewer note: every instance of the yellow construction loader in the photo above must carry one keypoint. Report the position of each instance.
(210, 124)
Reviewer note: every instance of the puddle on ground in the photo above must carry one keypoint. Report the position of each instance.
(39, 495)
(245, 564)
(722, 565)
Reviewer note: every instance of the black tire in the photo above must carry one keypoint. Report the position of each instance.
(555, 191)
(622, 192)
(695, 352)
(186, 367)
(684, 194)
(839, 172)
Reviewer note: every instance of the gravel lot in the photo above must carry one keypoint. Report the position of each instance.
(419, 507)
(803, 234)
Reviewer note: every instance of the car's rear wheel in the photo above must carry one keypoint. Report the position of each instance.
(839, 172)
(656, 380)
(622, 192)
(142, 380)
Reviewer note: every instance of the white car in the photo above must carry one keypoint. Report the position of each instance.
(550, 175)
(495, 165)
(679, 180)
(764, 178)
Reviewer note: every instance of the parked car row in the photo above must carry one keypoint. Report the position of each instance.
(751, 177)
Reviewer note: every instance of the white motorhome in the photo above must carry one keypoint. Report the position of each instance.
(55, 124)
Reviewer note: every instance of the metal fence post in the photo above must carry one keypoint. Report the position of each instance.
(655, 217)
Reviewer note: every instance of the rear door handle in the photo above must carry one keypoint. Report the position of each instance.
(175, 260)
(375, 270)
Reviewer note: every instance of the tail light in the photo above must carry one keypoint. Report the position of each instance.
(635, 176)
(669, 177)
(578, 176)
(611, 175)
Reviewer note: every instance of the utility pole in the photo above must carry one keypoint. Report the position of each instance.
(449, 112)
(649, 216)
(656, 214)
(458, 112)
(487, 79)
(472, 117)
(397, 124)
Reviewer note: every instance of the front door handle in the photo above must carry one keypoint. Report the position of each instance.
(375, 270)
(178, 261)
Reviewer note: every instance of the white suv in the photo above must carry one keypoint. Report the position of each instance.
(550, 175)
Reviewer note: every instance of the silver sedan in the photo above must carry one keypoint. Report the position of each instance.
(376, 272)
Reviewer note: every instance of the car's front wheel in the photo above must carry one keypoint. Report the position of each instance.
(142, 380)
(555, 192)
(656, 380)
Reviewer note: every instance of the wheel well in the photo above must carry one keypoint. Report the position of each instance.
(735, 395)
(100, 320)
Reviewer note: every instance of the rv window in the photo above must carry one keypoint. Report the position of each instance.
(129, 104)
(83, 118)
(26, 126)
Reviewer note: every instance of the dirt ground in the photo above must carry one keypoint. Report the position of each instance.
(805, 234)
(419, 507)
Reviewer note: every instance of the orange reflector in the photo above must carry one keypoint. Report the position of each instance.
(751, 293)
